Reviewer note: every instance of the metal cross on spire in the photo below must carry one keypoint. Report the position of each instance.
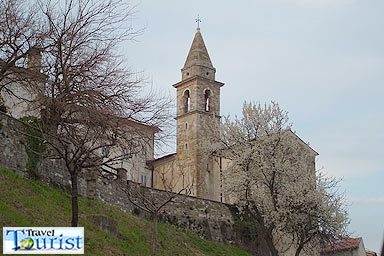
(198, 20)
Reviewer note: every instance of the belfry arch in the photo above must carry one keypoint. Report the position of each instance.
(207, 100)
(187, 101)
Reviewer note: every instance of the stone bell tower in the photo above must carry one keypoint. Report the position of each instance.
(198, 102)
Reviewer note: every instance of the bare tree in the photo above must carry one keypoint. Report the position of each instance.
(153, 202)
(272, 177)
(21, 37)
(91, 105)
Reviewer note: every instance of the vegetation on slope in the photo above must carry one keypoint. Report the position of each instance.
(26, 202)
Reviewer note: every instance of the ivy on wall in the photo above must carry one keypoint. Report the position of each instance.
(34, 145)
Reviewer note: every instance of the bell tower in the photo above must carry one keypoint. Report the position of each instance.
(198, 101)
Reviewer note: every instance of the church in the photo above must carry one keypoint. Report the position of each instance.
(198, 101)
(198, 105)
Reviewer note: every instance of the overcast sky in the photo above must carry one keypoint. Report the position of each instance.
(321, 60)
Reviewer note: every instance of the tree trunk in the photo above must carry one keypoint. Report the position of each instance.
(269, 240)
(298, 250)
(154, 242)
(75, 203)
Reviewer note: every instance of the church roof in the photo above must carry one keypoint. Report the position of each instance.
(304, 143)
(198, 54)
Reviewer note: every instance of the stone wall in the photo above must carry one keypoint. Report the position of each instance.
(12, 150)
(208, 219)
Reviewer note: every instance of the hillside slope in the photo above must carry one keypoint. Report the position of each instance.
(25, 202)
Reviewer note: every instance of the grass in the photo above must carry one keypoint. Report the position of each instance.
(26, 203)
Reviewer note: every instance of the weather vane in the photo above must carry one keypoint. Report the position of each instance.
(198, 20)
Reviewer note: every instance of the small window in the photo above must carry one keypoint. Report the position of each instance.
(187, 74)
(186, 125)
(105, 151)
(126, 153)
(207, 73)
(207, 96)
(186, 146)
(143, 180)
(187, 101)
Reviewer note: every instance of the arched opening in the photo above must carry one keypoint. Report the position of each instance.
(207, 102)
(187, 101)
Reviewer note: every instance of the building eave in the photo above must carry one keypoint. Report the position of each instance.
(196, 77)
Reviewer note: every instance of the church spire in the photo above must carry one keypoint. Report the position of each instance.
(198, 61)
(198, 54)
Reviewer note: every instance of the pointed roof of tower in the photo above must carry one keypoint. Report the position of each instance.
(198, 54)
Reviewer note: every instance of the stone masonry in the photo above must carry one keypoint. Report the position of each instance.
(209, 219)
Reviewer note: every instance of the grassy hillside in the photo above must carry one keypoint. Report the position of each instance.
(29, 203)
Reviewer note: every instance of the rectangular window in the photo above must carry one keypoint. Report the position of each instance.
(143, 180)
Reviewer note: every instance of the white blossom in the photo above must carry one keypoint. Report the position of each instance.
(272, 175)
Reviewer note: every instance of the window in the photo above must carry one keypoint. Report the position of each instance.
(144, 151)
(207, 96)
(127, 153)
(187, 101)
(143, 180)
(186, 125)
(105, 151)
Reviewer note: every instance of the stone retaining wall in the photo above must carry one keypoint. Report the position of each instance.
(209, 219)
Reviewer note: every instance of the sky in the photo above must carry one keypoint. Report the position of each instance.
(321, 60)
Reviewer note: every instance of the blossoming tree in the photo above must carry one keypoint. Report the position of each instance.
(271, 176)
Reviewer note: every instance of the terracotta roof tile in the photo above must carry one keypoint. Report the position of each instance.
(345, 243)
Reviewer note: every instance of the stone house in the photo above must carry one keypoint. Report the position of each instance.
(18, 104)
(16, 86)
